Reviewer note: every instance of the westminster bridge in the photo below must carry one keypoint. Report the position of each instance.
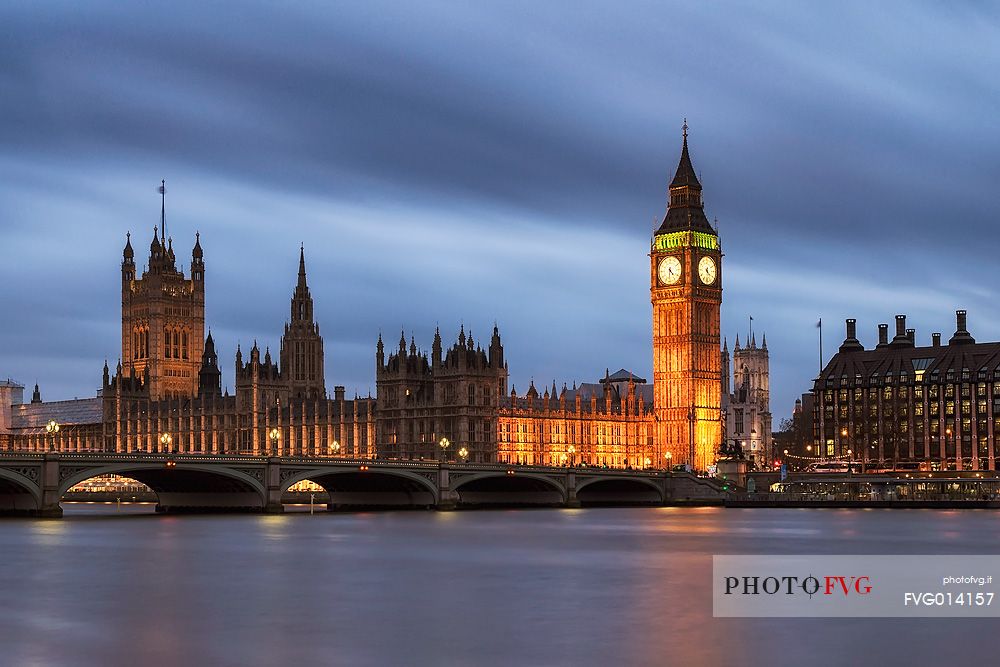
(34, 483)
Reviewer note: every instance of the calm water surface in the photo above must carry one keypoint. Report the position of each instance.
(518, 587)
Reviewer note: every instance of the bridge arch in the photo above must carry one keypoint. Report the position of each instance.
(619, 490)
(18, 494)
(503, 488)
(375, 487)
(185, 486)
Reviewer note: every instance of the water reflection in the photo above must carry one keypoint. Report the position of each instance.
(594, 586)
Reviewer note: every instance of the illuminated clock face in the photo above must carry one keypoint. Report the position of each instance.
(706, 270)
(669, 270)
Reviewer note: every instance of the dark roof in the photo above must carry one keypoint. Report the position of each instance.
(681, 218)
(622, 375)
(79, 411)
(685, 170)
(893, 360)
(686, 212)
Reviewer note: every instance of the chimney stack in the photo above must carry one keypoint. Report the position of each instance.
(883, 335)
(900, 326)
(962, 335)
(851, 343)
(911, 335)
(936, 339)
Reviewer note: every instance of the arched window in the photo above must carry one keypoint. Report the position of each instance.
(166, 342)
(184, 344)
(177, 345)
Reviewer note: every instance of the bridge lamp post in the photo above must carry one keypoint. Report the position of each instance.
(572, 455)
(444, 444)
(649, 461)
(274, 435)
(335, 447)
(165, 441)
(52, 428)
(562, 459)
(947, 439)
(668, 456)
(463, 453)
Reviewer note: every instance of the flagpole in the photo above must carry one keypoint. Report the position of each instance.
(820, 345)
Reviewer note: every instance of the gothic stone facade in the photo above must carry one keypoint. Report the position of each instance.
(168, 381)
(747, 408)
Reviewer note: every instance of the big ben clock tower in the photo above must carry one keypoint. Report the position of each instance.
(686, 291)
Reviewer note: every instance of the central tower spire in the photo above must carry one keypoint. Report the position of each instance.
(686, 294)
(163, 209)
(685, 210)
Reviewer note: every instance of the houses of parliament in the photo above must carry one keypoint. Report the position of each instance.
(165, 393)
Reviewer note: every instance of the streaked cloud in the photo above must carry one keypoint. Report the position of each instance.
(449, 163)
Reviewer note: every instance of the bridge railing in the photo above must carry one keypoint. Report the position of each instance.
(191, 457)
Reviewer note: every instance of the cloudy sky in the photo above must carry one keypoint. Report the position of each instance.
(470, 162)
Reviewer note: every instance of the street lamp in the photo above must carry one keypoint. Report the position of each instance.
(165, 442)
(274, 435)
(463, 453)
(562, 459)
(668, 456)
(52, 428)
(335, 447)
(572, 451)
(649, 461)
(444, 444)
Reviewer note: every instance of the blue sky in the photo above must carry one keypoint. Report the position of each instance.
(478, 162)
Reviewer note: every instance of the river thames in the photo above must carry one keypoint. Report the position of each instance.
(601, 586)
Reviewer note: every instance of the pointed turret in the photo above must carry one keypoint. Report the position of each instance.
(127, 253)
(196, 252)
(496, 349)
(36, 396)
(209, 377)
(436, 348)
(685, 211)
(302, 364)
(302, 268)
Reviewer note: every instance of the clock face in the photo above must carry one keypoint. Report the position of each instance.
(706, 270)
(669, 270)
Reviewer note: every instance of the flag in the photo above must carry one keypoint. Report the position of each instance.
(163, 188)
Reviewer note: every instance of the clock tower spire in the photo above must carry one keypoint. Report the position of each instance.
(686, 294)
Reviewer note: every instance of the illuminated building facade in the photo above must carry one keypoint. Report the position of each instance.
(166, 392)
(685, 280)
(609, 423)
(938, 404)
